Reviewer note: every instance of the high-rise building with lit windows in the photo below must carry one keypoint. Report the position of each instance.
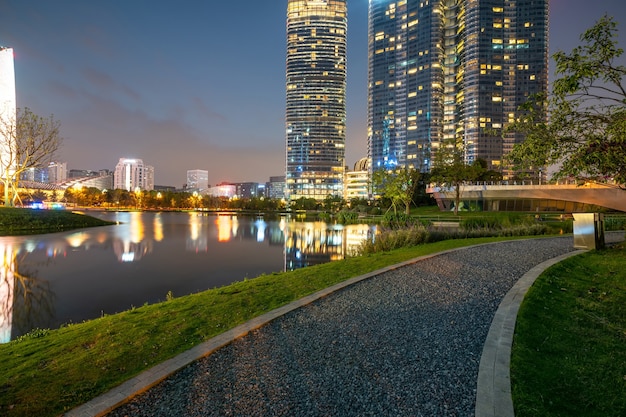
(8, 110)
(452, 70)
(316, 98)
(132, 174)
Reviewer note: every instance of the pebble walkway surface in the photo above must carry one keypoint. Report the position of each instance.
(405, 343)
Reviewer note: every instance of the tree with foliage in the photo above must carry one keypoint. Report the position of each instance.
(451, 170)
(28, 141)
(487, 174)
(581, 126)
(304, 203)
(399, 185)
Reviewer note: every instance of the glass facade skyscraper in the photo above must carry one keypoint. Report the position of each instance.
(316, 98)
(451, 70)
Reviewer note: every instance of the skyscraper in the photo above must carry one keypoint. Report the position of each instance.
(132, 174)
(8, 111)
(316, 92)
(451, 70)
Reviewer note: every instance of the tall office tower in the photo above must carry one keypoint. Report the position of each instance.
(316, 98)
(8, 108)
(197, 179)
(132, 174)
(451, 70)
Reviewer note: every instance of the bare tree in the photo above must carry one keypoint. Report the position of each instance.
(28, 141)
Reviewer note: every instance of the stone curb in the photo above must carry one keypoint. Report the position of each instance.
(493, 390)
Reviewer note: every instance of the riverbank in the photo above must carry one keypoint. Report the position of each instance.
(23, 221)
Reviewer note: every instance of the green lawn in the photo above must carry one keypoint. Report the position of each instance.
(15, 221)
(569, 351)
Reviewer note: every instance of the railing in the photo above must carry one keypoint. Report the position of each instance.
(580, 183)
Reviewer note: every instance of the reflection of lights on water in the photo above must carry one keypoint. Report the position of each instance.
(128, 257)
(76, 240)
(260, 231)
(30, 246)
(224, 224)
(136, 227)
(7, 281)
(194, 225)
(235, 222)
(158, 227)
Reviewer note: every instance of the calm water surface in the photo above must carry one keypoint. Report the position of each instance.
(48, 280)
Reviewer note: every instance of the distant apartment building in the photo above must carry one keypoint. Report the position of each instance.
(80, 173)
(35, 175)
(57, 172)
(226, 190)
(249, 190)
(275, 187)
(131, 174)
(356, 183)
(197, 180)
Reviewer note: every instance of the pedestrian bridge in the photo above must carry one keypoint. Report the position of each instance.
(525, 196)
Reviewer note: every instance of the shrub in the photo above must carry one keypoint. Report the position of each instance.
(347, 217)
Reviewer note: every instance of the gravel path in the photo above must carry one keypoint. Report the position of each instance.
(405, 343)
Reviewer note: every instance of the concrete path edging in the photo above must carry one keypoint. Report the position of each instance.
(493, 391)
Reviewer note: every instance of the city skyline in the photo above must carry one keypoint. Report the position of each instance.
(185, 88)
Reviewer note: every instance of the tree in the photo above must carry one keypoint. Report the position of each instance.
(398, 185)
(582, 125)
(26, 142)
(451, 170)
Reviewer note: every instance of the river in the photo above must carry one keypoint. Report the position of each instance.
(50, 280)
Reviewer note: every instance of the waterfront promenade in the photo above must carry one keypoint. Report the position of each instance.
(405, 342)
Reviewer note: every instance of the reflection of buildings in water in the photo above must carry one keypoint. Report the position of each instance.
(224, 225)
(25, 301)
(309, 244)
(7, 282)
(131, 244)
(128, 251)
(157, 224)
(197, 240)
(355, 235)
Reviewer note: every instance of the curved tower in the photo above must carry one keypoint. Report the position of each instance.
(316, 98)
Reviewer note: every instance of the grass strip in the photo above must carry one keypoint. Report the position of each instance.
(568, 355)
(16, 221)
(50, 372)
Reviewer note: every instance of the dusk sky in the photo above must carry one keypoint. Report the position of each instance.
(192, 84)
